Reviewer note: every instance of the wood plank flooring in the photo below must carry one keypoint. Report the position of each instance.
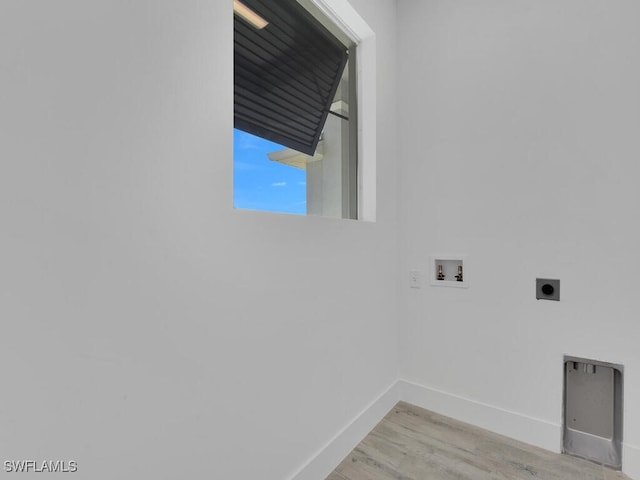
(411, 443)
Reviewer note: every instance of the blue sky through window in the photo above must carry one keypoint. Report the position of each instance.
(262, 184)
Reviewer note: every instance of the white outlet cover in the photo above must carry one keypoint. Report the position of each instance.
(415, 280)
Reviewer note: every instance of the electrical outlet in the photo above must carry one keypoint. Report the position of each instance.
(414, 279)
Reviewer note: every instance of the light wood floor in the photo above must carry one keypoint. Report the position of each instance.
(411, 443)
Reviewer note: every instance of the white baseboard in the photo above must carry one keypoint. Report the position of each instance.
(329, 456)
(533, 431)
(631, 461)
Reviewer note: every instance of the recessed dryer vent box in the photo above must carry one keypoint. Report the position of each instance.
(449, 271)
(593, 410)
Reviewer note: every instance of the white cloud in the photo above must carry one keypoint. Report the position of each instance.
(279, 184)
(302, 183)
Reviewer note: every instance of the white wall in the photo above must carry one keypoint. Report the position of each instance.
(518, 130)
(148, 329)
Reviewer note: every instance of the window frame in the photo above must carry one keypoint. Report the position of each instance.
(359, 174)
(348, 20)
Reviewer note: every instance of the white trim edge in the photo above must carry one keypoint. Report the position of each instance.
(631, 460)
(346, 17)
(354, 26)
(329, 457)
(533, 431)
